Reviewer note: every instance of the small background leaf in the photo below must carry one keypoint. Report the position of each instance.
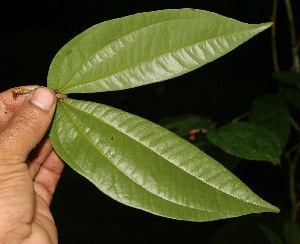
(240, 231)
(248, 141)
(145, 166)
(270, 234)
(291, 233)
(145, 48)
(271, 112)
(292, 97)
(288, 78)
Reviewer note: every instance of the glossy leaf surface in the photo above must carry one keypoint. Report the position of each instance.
(193, 128)
(145, 48)
(248, 141)
(145, 166)
(271, 112)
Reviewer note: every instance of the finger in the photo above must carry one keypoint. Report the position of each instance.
(48, 176)
(38, 156)
(9, 103)
(27, 126)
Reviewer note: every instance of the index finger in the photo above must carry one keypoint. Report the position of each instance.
(10, 103)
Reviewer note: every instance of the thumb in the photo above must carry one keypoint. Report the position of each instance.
(27, 126)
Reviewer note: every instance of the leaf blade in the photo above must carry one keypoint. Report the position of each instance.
(248, 141)
(145, 48)
(144, 166)
(271, 112)
(292, 97)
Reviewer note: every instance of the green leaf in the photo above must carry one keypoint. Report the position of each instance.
(229, 161)
(288, 78)
(248, 141)
(145, 166)
(270, 234)
(193, 127)
(291, 233)
(145, 48)
(292, 97)
(239, 231)
(271, 112)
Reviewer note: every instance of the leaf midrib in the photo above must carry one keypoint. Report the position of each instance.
(114, 41)
(157, 195)
(148, 60)
(88, 114)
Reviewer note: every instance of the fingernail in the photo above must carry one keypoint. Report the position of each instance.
(43, 98)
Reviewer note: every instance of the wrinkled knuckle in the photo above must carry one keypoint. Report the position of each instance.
(26, 123)
(16, 136)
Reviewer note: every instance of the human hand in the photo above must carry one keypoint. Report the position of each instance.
(29, 167)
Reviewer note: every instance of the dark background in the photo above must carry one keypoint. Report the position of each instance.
(33, 31)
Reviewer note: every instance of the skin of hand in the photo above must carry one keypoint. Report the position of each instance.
(29, 167)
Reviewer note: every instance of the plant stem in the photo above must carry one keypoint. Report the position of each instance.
(274, 43)
(294, 43)
(240, 117)
(293, 159)
(293, 193)
(292, 171)
(292, 166)
(21, 91)
(295, 125)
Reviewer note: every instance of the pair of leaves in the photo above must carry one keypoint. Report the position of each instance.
(129, 158)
